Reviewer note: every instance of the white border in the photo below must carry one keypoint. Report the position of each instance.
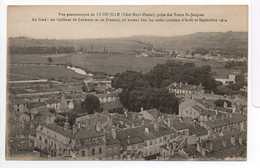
(253, 115)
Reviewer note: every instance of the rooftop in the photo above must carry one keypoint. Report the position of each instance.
(59, 129)
(235, 118)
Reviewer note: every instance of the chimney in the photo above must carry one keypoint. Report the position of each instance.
(225, 104)
(98, 127)
(113, 131)
(216, 111)
(146, 130)
(128, 139)
(125, 112)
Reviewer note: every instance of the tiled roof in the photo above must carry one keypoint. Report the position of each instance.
(20, 101)
(138, 134)
(207, 103)
(36, 104)
(235, 118)
(204, 111)
(198, 130)
(154, 112)
(59, 129)
(84, 133)
(52, 100)
(228, 110)
(180, 125)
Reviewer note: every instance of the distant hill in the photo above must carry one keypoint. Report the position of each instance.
(222, 40)
(206, 40)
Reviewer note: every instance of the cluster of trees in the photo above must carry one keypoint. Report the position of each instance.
(136, 98)
(41, 50)
(201, 51)
(148, 90)
(236, 64)
(164, 74)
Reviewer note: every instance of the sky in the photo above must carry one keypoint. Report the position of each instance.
(19, 21)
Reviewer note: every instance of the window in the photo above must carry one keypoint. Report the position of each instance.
(40, 138)
(45, 141)
(100, 150)
(93, 151)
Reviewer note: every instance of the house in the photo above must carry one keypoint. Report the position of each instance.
(203, 109)
(90, 143)
(35, 107)
(66, 103)
(54, 140)
(132, 143)
(233, 121)
(108, 98)
(151, 114)
(90, 120)
(230, 79)
(99, 84)
(144, 141)
(229, 144)
(113, 146)
(19, 105)
(185, 89)
(54, 103)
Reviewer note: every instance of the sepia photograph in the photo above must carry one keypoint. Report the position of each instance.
(127, 83)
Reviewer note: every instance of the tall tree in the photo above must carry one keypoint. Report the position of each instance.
(91, 104)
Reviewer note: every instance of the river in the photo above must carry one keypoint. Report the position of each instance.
(79, 71)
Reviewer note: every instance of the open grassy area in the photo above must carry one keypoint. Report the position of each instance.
(115, 63)
(39, 58)
(93, 62)
(25, 72)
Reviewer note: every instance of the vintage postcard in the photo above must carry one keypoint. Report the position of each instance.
(131, 83)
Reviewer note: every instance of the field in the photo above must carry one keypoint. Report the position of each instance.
(37, 66)
(39, 58)
(27, 72)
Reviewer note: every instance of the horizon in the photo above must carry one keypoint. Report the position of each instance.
(132, 36)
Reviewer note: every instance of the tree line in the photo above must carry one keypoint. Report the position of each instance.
(41, 50)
